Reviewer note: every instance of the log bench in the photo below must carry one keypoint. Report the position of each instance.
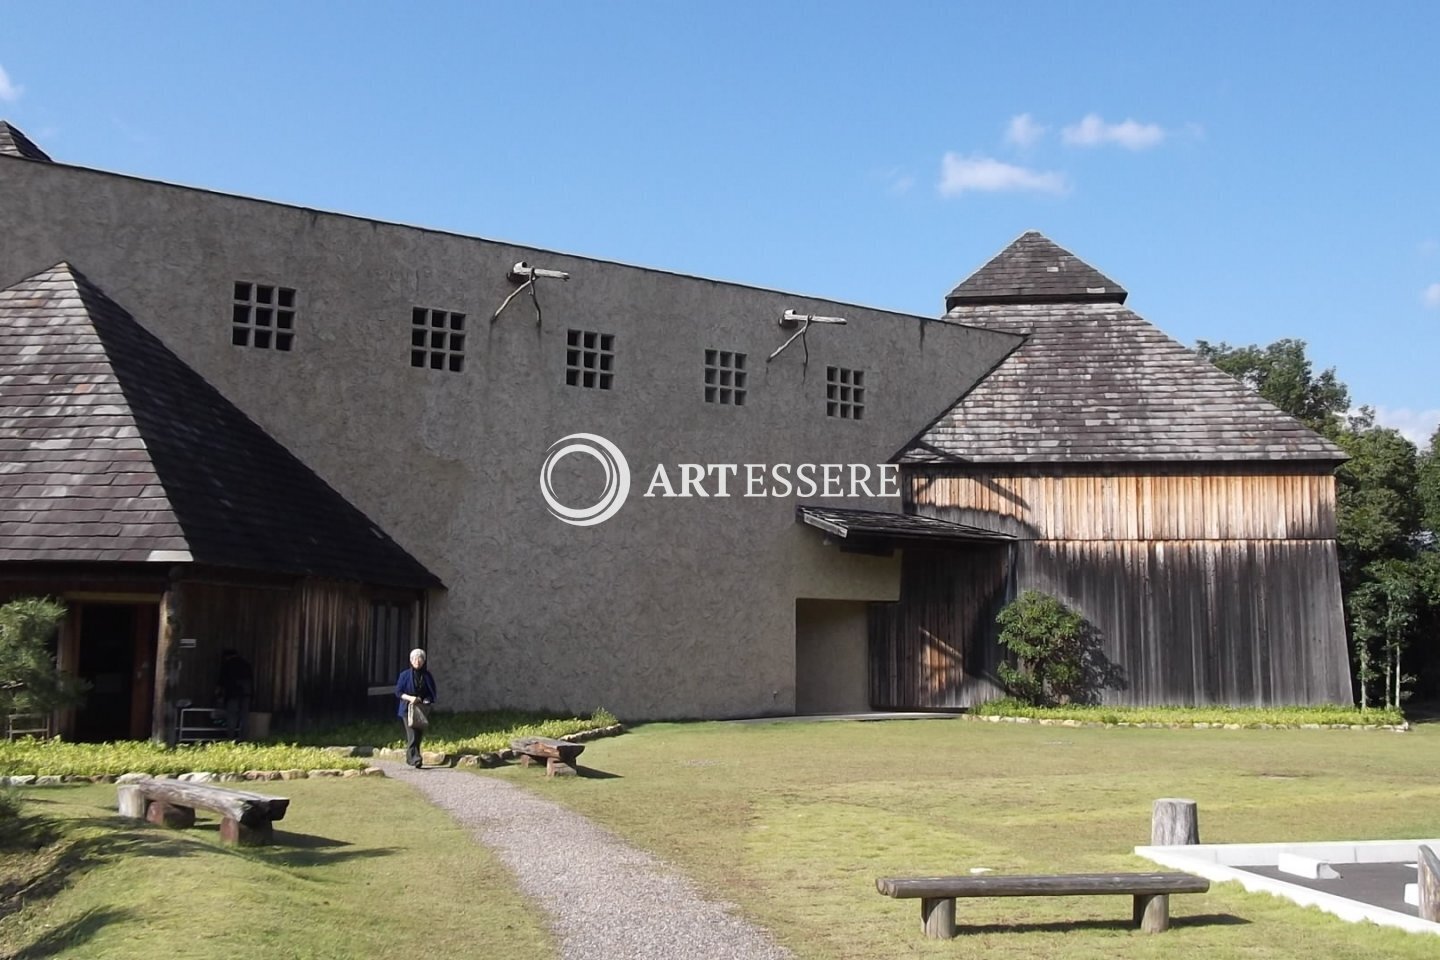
(246, 818)
(937, 894)
(559, 755)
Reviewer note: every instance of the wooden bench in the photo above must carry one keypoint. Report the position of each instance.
(559, 755)
(937, 894)
(246, 818)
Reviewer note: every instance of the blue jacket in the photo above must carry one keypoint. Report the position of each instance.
(417, 683)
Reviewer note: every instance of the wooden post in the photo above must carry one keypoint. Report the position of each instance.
(937, 917)
(1428, 869)
(165, 647)
(1152, 912)
(131, 802)
(1174, 822)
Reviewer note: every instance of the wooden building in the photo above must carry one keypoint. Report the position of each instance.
(1189, 521)
(159, 512)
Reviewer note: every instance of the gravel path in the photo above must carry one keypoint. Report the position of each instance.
(606, 899)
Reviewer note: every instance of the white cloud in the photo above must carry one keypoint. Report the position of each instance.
(1093, 131)
(1431, 296)
(987, 175)
(9, 92)
(1417, 426)
(1023, 131)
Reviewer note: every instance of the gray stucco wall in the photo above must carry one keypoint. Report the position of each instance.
(831, 657)
(676, 607)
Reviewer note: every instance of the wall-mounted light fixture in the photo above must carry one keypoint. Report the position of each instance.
(793, 318)
(526, 275)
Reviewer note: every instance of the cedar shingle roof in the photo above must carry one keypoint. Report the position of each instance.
(112, 449)
(13, 143)
(1096, 382)
(1034, 270)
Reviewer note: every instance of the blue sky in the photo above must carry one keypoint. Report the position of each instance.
(1248, 171)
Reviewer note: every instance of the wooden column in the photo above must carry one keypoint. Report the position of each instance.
(1174, 822)
(1152, 912)
(1429, 884)
(937, 917)
(166, 647)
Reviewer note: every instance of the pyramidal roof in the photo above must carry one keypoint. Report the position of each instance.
(13, 143)
(1034, 269)
(113, 449)
(1094, 381)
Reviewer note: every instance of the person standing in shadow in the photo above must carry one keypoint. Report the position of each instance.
(235, 686)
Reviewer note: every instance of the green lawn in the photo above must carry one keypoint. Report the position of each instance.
(365, 868)
(794, 821)
(791, 821)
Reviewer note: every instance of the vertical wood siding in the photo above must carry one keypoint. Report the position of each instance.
(1135, 506)
(309, 644)
(1199, 587)
(934, 647)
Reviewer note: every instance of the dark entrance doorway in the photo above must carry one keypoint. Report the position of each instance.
(117, 657)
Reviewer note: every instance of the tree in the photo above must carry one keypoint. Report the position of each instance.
(1282, 374)
(29, 679)
(1387, 515)
(1048, 638)
(1377, 511)
(1384, 609)
(1429, 488)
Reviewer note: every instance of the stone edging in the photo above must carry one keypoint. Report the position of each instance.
(437, 759)
(506, 755)
(1052, 722)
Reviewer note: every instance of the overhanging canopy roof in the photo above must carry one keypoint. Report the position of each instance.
(878, 525)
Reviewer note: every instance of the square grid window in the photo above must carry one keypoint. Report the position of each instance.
(725, 377)
(263, 316)
(590, 359)
(845, 393)
(437, 339)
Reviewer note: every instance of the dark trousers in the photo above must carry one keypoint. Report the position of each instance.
(237, 716)
(412, 744)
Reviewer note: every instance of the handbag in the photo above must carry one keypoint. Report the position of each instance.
(415, 717)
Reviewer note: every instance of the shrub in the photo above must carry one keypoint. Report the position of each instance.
(1048, 640)
(1250, 717)
(29, 680)
(58, 757)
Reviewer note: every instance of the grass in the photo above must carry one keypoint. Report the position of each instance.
(62, 758)
(1244, 716)
(455, 733)
(366, 868)
(794, 821)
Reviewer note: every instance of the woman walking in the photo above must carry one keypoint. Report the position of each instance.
(415, 686)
